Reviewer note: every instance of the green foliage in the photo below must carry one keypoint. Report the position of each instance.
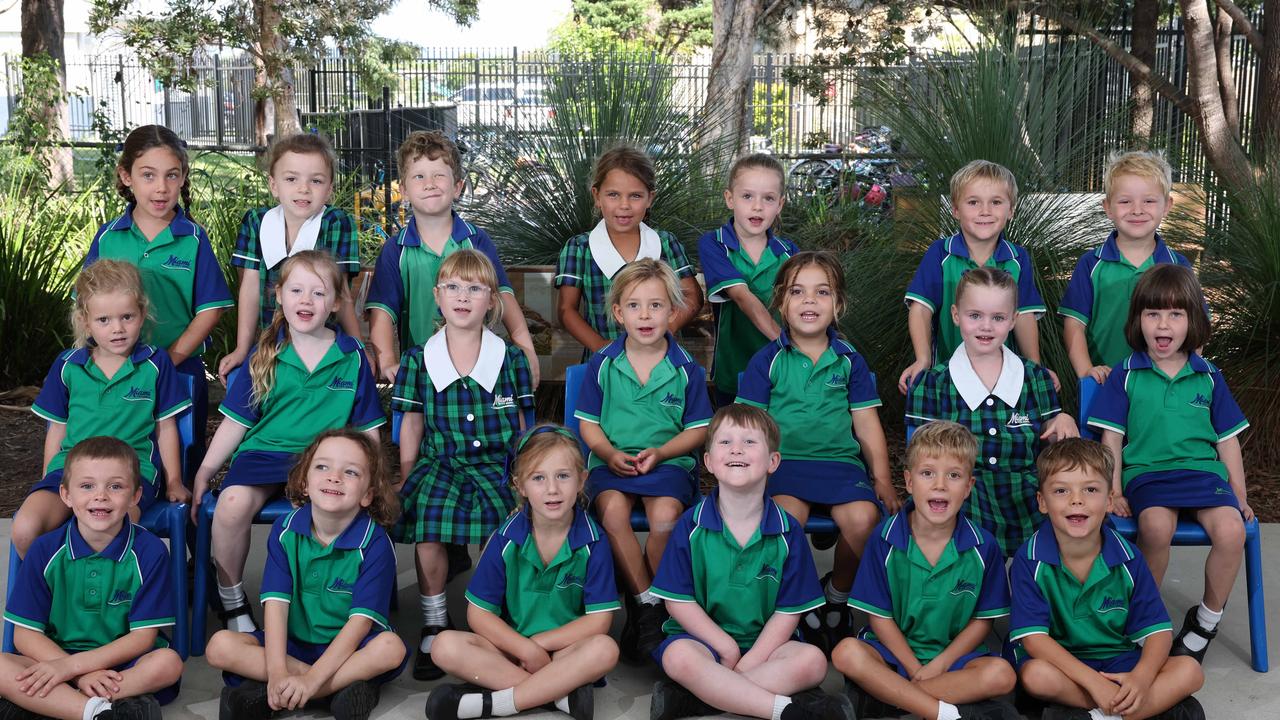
(604, 26)
(771, 115)
(30, 131)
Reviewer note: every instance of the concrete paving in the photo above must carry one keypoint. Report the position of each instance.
(1232, 689)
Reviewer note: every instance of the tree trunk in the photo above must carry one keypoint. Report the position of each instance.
(43, 31)
(1220, 146)
(259, 103)
(733, 24)
(1267, 113)
(1146, 13)
(1226, 80)
(279, 76)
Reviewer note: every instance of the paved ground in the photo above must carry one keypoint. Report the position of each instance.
(1232, 689)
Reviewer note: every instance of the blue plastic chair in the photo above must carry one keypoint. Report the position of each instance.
(1190, 532)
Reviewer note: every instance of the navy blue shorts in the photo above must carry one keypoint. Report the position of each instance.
(822, 482)
(1179, 489)
(259, 467)
(53, 481)
(664, 481)
(662, 647)
(1124, 662)
(892, 661)
(309, 653)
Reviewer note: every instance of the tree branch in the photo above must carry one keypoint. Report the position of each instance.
(773, 6)
(1242, 23)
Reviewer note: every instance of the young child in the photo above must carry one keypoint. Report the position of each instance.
(811, 382)
(1009, 403)
(1083, 602)
(303, 378)
(326, 592)
(109, 384)
(1096, 303)
(402, 293)
(464, 395)
(541, 599)
(983, 195)
(736, 579)
(739, 262)
(932, 584)
(89, 602)
(300, 172)
(644, 412)
(623, 186)
(1168, 414)
(182, 277)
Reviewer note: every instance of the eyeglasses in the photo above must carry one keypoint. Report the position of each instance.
(455, 290)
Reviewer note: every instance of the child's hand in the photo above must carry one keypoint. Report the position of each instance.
(294, 691)
(1099, 373)
(1060, 427)
(1245, 509)
(229, 362)
(100, 683)
(1103, 692)
(197, 495)
(177, 492)
(390, 368)
(888, 495)
(532, 657)
(622, 464)
(1133, 690)
(42, 677)
(1057, 384)
(929, 671)
(749, 661)
(1120, 506)
(730, 654)
(535, 367)
(646, 460)
(909, 375)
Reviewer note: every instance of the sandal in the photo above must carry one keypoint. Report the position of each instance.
(235, 612)
(1192, 625)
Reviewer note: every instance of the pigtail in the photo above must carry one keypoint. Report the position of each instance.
(186, 197)
(262, 369)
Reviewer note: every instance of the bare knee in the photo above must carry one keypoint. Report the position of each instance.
(602, 651)
(662, 516)
(164, 666)
(224, 645)
(810, 664)
(997, 677)
(1156, 525)
(1041, 678)
(447, 647)
(850, 656)
(235, 508)
(389, 649)
(1226, 532)
(1185, 672)
(684, 659)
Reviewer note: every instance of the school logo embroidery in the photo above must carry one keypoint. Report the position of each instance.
(965, 587)
(1199, 401)
(1220, 490)
(501, 402)
(571, 580)
(837, 380)
(341, 586)
(768, 572)
(342, 385)
(670, 400)
(120, 597)
(1017, 420)
(176, 263)
(1110, 603)
(137, 394)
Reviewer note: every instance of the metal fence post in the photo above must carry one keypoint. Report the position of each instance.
(218, 102)
(124, 112)
(390, 158)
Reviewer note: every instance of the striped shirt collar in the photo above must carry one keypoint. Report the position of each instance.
(582, 531)
(356, 536)
(1110, 250)
(1043, 545)
(897, 530)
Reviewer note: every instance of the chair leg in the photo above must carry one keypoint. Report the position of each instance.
(1257, 604)
(200, 588)
(14, 562)
(178, 572)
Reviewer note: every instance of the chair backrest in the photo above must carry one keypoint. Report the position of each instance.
(1088, 389)
(573, 376)
(186, 427)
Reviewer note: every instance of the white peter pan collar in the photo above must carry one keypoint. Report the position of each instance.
(1008, 387)
(435, 356)
(272, 236)
(607, 257)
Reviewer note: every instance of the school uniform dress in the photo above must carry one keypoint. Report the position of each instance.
(182, 278)
(260, 245)
(1100, 621)
(636, 416)
(512, 582)
(458, 491)
(740, 588)
(935, 280)
(82, 599)
(325, 586)
(1098, 295)
(1007, 423)
(726, 264)
(930, 603)
(144, 391)
(590, 261)
(301, 404)
(811, 402)
(1171, 427)
(407, 272)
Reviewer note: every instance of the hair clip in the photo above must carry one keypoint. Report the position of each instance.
(524, 439)
(182, 143)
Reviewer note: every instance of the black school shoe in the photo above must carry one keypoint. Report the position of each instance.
(1187, 709)
(355, 701)
(582, 702)
(629, 640)
(10, 711)
(139, 707)
(424, 668)
(671, 701)
(648, 628)
(1191, 625)
(1054, 711)
(459, 560)
(442, 703)
(865, 705)
(246, 701)
(988, 710)
(246, 609)
(826, 706)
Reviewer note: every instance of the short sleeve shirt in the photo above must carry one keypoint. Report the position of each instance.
(1177, 422)
(404, 278)
(1098, 296)
(935, 281)
(589, 262)
(82, 599)
(303, 403)
(144, 391)
(336, 236)
(930, 604)
(327, 585)
(1116, 606)
(531, 596)
(811, 401)
(740, 588)
(725, 264)
(635, 416)
(180, 273)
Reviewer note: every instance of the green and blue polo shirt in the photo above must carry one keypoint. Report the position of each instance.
(740, 588)
(512, 582)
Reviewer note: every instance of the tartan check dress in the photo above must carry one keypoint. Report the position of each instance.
(458, 490)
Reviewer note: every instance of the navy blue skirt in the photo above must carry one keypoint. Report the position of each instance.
(1179, 489)
(664, 481)
(822, 482)
(259, 467)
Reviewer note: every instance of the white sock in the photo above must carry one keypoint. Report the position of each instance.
(470, 706)
(648, 598)
(94, 706)
(233, 597)
(834, 596)
(434, 611)
(563, 704)
(947, 711)
(780, 703)
(1096, 714)
(1208, 619)
(504, 702)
